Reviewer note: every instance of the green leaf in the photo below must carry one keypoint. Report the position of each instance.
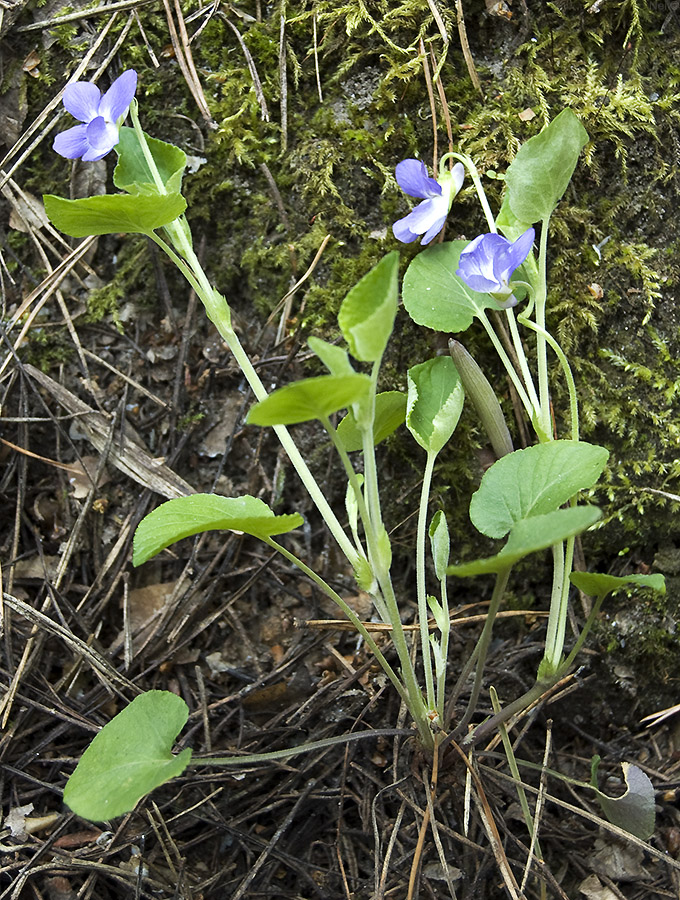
(534, 481)
(435, 296)
(132, 173)
(185, 516)
(598, 585)
(336, 359)
(113, 213)
(542, 169)
(508, 223)
(635, 810)
(129, 757)
(390, 412)
(439, 543)
(312, 398)
(531, 535)
(435, 402)
(366, 316)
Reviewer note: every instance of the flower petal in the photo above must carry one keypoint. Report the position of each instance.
(72, 143)
(102, 136)
(458, 176)
(478, 264)
(402, 232)
(81, 99)
(118, 98)
(413, 179)
(434, 230)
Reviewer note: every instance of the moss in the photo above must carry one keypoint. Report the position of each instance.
(334, 176)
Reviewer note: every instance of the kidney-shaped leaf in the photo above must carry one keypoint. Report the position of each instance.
(366, 316)
(311, 398)
(132, 172)
(435, 296)
(390, 412)
(435, 402)
(534, 481)
(596, 584)
(530, 536)
(540, 173)
(129, 757)
(184, 516)
(634, 811)
(114, 213)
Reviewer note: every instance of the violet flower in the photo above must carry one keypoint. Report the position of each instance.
(101, 117)
(428, 217)
(487, 263)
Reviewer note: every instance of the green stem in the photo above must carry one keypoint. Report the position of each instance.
(483, 645)
(583, 635)
(370, 468)
(348, 611)
(555, 628)
(566, 368)
(421, 589)
(477, 181)
(363, 509)
(521, 356)
(509, 368)
(219, 313)
(541, 352)
(445, 633)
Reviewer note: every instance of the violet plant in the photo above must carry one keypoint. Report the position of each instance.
(527, 495)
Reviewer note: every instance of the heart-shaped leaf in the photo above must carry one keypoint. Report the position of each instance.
(435, 296)
(435, 402)
(366, 316)
(129, 757)
(531, 535)
(598, 585)
(132, 173)
(114, 213)
(312, 398)
(390, 412)
(542, 169)
(184, 516)
(533, 481)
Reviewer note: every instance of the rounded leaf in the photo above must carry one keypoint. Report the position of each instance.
(129, 757)
(435, 296)
(530, 536)
(534, 481)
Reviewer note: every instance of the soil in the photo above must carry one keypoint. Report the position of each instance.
(116, 393)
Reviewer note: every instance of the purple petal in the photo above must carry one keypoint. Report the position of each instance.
(413, 179)
(72, 143)
(402, 232)
(102, 136)
(477, 265)
(522, 247)
(81, 99)
(118, 98)
(434, 230)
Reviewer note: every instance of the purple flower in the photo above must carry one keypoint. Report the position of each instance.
(487, 263)
(429, 216)
(101, 116)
